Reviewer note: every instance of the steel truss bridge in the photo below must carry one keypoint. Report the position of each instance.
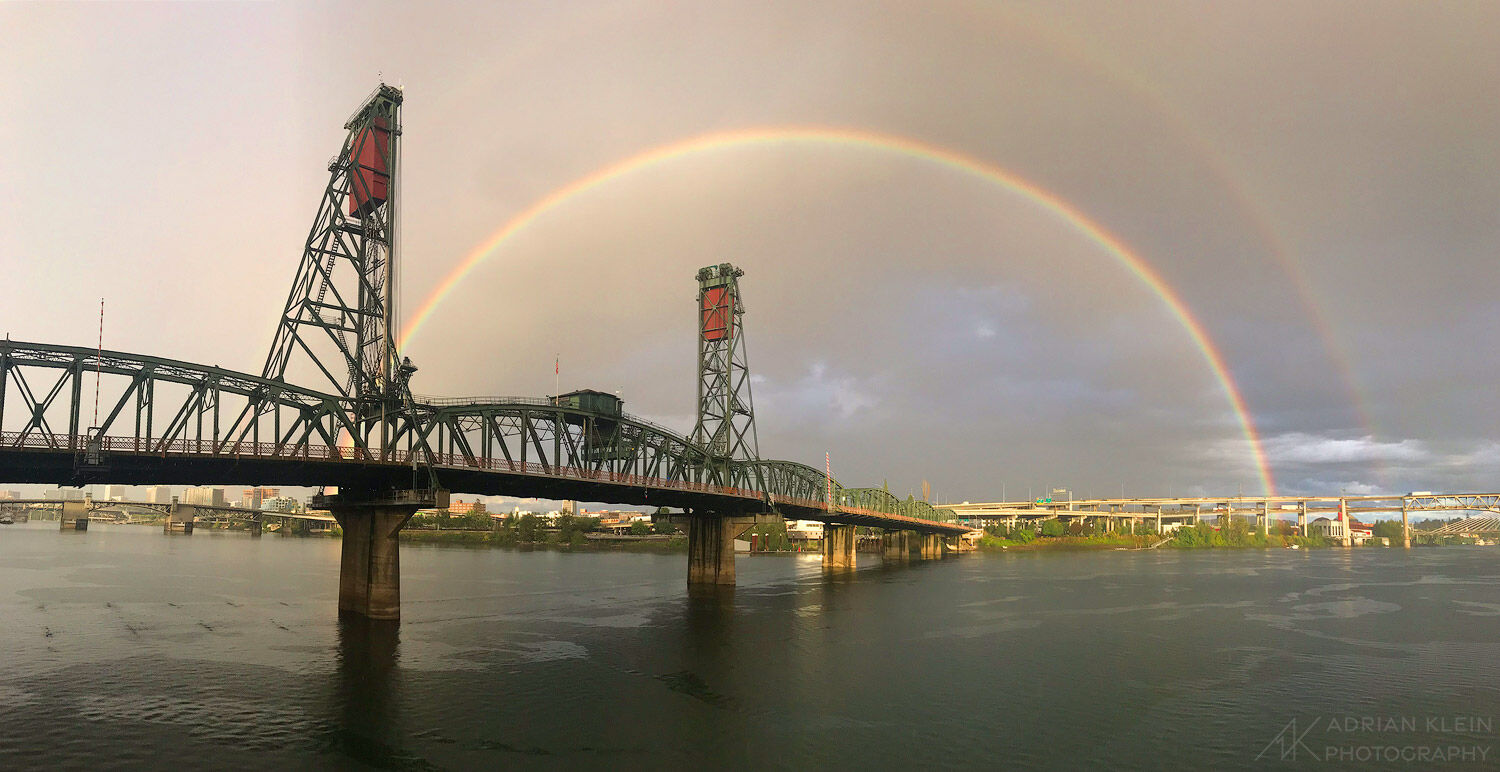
(77, 415)
(174, 422)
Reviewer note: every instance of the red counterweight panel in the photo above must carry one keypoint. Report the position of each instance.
(716, 302)
(371, 175)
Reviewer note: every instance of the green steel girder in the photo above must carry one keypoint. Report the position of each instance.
(523, 435)
(219, 412)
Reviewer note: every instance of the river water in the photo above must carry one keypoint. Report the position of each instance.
(123, 647)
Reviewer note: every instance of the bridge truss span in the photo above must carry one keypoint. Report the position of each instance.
(168, 421)
(151, 404)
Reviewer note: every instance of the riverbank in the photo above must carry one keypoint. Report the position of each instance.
(508, 540)
(1201, 537)
(1066, 543)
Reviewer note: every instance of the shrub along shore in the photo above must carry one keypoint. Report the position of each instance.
(1054, 534)
(531, 532)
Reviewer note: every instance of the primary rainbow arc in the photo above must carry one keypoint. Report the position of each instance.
(888, 143)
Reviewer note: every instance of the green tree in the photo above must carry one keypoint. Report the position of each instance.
(1390, 529)
(1053, 528)
(639, 528)
(528, 528)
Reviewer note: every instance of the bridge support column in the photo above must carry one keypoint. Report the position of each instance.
(1405, 527)
(710, 551)
(74, 516)
(255, 526)
(932, 546)
(895, 546)
(711, 544)
(370, 570)
(1302, 518)
(838, 546)
(179, 518)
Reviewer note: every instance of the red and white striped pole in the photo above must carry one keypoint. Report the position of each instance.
(99, 362)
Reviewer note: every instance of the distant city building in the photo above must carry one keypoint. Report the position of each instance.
(804, 529)
(159, 494)
(63, 494)
(10, 494)
(209, 497)
(254, 498)
(461, 507)
(1331, 528)
(114, 493)
(280, 504)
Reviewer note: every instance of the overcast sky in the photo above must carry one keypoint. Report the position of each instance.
(1319, 182)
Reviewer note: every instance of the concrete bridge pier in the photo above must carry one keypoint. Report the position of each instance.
(255, 526)
(932, 546)
(179, 518)
(838, 547)
(370, 569)
(1405, 527)
(895, 546)
(74, 516)
(711, 544)
(1302, 518)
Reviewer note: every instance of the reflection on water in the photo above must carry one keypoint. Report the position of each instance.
(367, 678)
(127, 649)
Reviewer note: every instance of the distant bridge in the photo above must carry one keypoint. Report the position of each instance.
(390, 453)
(1473, 526)
(1261, 509)
(75, 514)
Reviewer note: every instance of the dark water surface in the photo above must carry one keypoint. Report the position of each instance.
(125, 648)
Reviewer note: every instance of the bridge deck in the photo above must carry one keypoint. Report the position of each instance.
(192, 462)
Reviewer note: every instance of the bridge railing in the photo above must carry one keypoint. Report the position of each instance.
(190, 447)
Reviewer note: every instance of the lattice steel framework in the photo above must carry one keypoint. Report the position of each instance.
(340, 312)
(159, 405)
(726, 411)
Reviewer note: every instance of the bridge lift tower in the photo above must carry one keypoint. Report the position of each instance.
(340, 321)
(340, 315)
(726, 411)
